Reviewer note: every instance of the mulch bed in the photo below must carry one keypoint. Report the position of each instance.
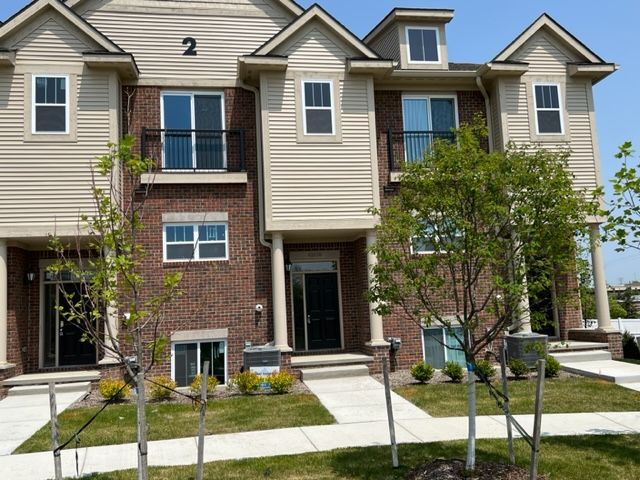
(454, 469)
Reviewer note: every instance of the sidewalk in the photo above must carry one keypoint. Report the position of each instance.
(292, 441)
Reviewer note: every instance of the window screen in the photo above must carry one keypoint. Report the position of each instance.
(423, 44)
(50, 105)
(318, 110)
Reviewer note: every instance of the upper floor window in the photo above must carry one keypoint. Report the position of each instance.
(50, 104)
(423, 45)
(193, 132)
(205, 241)
(426, 118)
(318, 116)
(440, 238)
(548, 108)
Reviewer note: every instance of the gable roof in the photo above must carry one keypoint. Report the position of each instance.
(289, 5)
(316, 12)
(545, 21)
(37, 6)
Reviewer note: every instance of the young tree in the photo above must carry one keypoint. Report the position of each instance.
(623, 216)
(480, 216)
(106, 261)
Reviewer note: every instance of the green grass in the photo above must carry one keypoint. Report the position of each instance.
(631, 360)
(117, 424)
(566, 458)
(571, 395)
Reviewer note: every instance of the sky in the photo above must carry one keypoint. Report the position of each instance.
(482, 28)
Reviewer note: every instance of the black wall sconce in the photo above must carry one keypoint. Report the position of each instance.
(30, 277)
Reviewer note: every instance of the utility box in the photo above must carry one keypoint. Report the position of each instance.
(262, 360)
(523, 346)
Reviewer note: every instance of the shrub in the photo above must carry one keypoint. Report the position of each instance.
(551, 367)
(245, 382)
(629, 346)
(281, 382)
(196, 384)
(518, 368)
(114, 389)
(454, 371)
(159, 392)
(422, 372)
(485, 369)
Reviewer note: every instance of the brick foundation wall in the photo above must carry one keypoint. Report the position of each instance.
(613, 339)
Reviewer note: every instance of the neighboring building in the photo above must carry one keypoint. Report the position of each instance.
(275, 130)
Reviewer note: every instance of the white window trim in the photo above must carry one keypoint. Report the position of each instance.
(196, 242)
(198, 342)
(423, 62)
(305, 107)
(560, 108)
(34, 104)
(443, 331)
(414, 96)
(425, 252)
(192, 94)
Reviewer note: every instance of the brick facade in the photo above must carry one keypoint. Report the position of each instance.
(613, 339)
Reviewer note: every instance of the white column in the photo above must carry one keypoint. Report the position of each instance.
(524, 309)
(111, 325)
(4, 298)
(279, 293)
(599, 279)
(375, 319)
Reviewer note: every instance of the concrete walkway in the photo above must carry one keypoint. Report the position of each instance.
(361, 399)
(23, 415)
(600, 365)
(292, 441)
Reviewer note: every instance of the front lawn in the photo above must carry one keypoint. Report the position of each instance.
(117, 424)
(567, 458)
(568, 395)
(631, 360)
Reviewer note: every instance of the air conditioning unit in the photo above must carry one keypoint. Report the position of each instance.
(262, 360)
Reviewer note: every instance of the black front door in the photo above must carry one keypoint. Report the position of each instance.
(323, 310)
(72, 349)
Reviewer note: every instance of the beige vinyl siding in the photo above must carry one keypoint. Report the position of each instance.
(583, 152)
(51, 44)
(387, 45)
(319, 183)
(154, 35)
(48, 184)
(515, 106)
(544, 56)
(496, 123)
(44, 185)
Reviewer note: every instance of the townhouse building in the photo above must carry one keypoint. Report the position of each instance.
(274, 130)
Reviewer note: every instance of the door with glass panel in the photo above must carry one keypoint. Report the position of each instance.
(424, 119)
(193, 131)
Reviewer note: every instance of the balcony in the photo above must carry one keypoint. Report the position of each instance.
(411, 146)
(194, 156)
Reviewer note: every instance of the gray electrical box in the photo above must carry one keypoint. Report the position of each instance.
(262, 360)
(522, 346)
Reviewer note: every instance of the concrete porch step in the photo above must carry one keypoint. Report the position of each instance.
(334, 372)
(75, 387)
(55, 377)
(610, 370)
(581, 356)
(329, 360)
(575, 346)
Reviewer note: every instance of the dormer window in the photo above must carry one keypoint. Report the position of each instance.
(423, 43)
(548, 108)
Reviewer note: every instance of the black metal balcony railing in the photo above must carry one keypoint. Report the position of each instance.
(195, 150)
(411, 146)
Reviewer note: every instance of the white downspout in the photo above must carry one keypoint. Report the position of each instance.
(487, 106)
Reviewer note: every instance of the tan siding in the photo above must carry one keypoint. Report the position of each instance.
(582, 161)
(516, 108)
(154, 35)
(388, 45)
(543, 56)
(320, 181)
(47, 184)
(496, 123)
(316, 52)
(51, 43)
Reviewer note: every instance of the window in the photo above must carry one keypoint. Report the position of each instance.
(441, 345)
(193, 131)
(207, 241)
(318, 108)
(188, 360)
(424, 119)
(548, 109)
(435, 239)
(423, 45)
(50, 104)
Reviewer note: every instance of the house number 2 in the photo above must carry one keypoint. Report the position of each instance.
(191, 49)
